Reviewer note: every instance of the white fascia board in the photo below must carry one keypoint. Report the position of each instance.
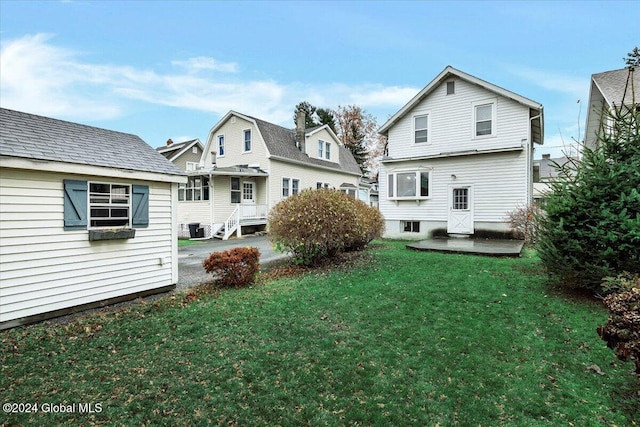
(81, 169)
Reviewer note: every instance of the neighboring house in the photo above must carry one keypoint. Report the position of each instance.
(546, 170)
(250, 165)
(87, 216)
(460, 157)
(185, 155)
(608, 89)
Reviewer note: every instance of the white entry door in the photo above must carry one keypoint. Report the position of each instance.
(249, 199)
(460, 219)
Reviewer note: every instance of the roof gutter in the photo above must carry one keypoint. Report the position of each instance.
(456, 154)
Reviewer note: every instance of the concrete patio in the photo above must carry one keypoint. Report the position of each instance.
(498, 248)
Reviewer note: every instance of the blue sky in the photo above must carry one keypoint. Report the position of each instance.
(164, 69)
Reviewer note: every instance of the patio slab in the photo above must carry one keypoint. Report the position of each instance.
(498, 248)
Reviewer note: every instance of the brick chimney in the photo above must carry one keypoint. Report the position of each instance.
(169, 142)
(300, 130)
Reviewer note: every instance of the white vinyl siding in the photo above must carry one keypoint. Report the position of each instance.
(451, 124)
(46, 268)
(234, 153)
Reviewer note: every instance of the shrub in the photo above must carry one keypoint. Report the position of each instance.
(622, 330)
(591, 228)
(322, 223)
(234, 267)
(524, 222)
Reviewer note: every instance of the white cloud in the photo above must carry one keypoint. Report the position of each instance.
(568, 84)
(40, 77)
(200, 63)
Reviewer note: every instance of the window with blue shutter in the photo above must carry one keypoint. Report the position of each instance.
(75, 205)
(140, 206)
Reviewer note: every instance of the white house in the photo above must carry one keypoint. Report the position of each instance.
(87, 216)
(607, 89)
(249, 165)
(460, 157)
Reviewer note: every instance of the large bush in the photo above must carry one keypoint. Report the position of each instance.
(524, 222)
(322, 223)
(591, 228)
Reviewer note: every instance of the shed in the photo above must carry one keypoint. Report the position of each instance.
(87, 217)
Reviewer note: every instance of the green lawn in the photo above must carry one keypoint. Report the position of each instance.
(400, 338)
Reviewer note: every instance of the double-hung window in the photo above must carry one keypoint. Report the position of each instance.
(409, 185)
(247, 140)
(285, 187)
(236, 191)
(290, 187)
(324, 150)
(484, 119)
(421, 128)
(327, 151)
(220, 145)
(109, 205)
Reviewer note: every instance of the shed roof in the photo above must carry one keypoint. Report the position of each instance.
(29, 136)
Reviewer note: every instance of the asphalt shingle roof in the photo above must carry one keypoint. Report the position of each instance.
(30, 136)
(281, 142)
(612, 85)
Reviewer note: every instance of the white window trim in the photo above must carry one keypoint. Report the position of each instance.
(244, 141)
(183, 190)
(404, 223)
(413, 126)
(320, 149)
(231, 190)
(494, 121)
(290, 188)
(108, 205)
(191, 166)
(327, 150)
(418, 173)
(224, 148)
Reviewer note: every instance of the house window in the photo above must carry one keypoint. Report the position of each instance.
(349, 191)
(247, 140)
(320, 148)
(236, 192)
(484, 119)
(220, 145)
(109, 205)
(196, 189)
(320, 185)
(409, 185)
(451, 88)
(421, 128)
(194, 150)
(460, 199)
(191, 166)
(327, 151)
(410, 226)
(324, 150)
(290, 187)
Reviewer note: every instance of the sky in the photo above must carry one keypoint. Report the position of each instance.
(173, 69)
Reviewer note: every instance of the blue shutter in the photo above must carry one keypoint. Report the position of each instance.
(75, 205)
(140, 206)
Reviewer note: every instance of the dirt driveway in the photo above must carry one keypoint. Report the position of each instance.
(190, 270)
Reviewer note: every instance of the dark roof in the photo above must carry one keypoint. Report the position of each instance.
(612, 85)
(281, 142)
(36, 137)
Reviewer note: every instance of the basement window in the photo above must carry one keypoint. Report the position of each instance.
(411, 226)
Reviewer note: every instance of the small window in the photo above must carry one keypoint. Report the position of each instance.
(451, 88)
(194, 150)
(109, 205)
(220, 145)
(411, 226)
(247, 140)
(191, 166)
(290, 187)
(320, 149)
(327, 151)
(236, 192)
(320, 185)
(196, 189)
(285, 187)
(421, 124)
(295, 186)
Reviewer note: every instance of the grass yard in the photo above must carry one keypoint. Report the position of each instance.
(399, 338)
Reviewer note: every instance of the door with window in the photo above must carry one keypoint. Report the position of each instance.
(460, 220)
(249, 209)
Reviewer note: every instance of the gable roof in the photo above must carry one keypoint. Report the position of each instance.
(174, 150)
(447, 73)
(28, 136)
(281, 145)
(612, 84)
